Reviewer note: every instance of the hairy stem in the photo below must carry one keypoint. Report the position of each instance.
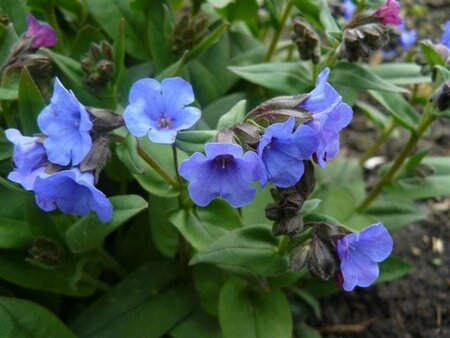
(277, 34)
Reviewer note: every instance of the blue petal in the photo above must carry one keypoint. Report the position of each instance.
(358, 269)
(445, 38)
(283, 170)
(251, 167)
(375, 242)
(26, 178)
(28, 154)
(276, 130)
(323, 96)
(136, 118)
(164, 136)
(213, 149)
(235, 189)
(339, 117)
(177, 93)
(147, 89)
(186, 118)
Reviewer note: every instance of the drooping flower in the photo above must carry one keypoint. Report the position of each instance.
(445, 38)
(349, 8)
(29, 157)
(389, 13)
(67, 125)
(43, 34)
(224, 172)
(359, 254)
(283, 150)
(160, 110)
(73, 192)
(330, 116)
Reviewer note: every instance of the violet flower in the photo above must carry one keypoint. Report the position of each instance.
(283, 150)
(389, 13)
(42, 34)
(224, 172)
(349, 8)
(407, 37)
(330, 116)
(73, 192)
(360, 254)
(29, 157)
(445, 38)
(160, 110)
(67, 125)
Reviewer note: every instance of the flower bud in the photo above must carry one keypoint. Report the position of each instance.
(298, 257)
(247, 133)
(322, 261)
(307, 183)
(306, 40)
(288, 226)
(105, 120)
(442, 96)
(97, 157)
(46, 253)
(225, 135)
(98, 65)
(188, 32)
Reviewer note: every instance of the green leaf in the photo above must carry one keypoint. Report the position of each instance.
(309, 299)
(24, 319)
(127, 153)
(8, 38)
(353, 75)
(284, 77)
(199, 234)
(31, 103)
(326, 18)
(138, 288)
(373, 113)
(194, 140)
(15, 269)
(432, 56)
(212, 113)
(207, 42)
(233, 116)
(306, 331)
(17, 11)
(119, 52)
(250, 250)
(88, 232)
(401, 73)
(254, 213)
(400, 109)
(208, 281)
(14, 234)
(253, 313)
(393, 268)
(197, 325)
(7, 94)
(420, 187)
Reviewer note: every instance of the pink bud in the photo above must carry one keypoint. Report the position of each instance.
(43, 34)
(389, 13)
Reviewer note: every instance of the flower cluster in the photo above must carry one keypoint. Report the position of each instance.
(49, 164)
(277, 158)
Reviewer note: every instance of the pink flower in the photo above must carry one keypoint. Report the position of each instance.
(389, 13)
(43, 34)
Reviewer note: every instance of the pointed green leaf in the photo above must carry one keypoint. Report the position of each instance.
(31, 103)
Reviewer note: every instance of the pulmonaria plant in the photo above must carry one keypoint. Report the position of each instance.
(359, 255)
(330, 115)
(226, 172)
(41, 33)
(160, 110)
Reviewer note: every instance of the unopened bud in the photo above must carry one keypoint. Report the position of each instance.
(287, 226)
(307, 41)
(46, 253)
(105, 120)
(225, 135)
(97, 157)
(307, 183)
(298, 257)
(442, 96)
(322, 261)
(247, 133)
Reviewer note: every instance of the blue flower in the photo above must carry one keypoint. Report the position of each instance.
(67, 124)
(445, 38)
(349, 8)
(283, 150)
(407, 37)
(160, 110)
(224, 172)
(73, 192)
(330, 116)
(359, 254)
(29, 157)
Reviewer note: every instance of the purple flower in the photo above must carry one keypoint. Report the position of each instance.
(67, 125)
(349, 8)
(407, 37)
(283, 150)
(330, 116)
(389, 13)
(29, 157)
(445, 38)
(160, 110)
(224, 172)
(71, 191)
(359, 254)
(43, 34)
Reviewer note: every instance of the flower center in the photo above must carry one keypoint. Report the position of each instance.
(164, 122)
(224, 160)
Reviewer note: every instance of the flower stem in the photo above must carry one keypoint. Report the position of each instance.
(175, 164)
(315, 72)
(426, 121)
(111, 263)
(390, 127)
(152, 163)
(277, 34)
(94, 282)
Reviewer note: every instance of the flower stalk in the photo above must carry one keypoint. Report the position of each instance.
(277, 34)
